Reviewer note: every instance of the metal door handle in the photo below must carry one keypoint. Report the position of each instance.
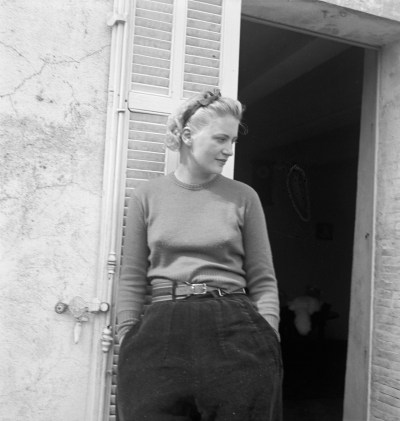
(80, 310)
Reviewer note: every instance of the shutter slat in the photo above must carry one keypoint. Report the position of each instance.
(151, 52)
(213, 2)
(152, 42)
(147, 126)
(201, 70)
(151, 61)
(143, 175)
(206, 26)
(199, 33)
(153, 33)
(154, 15)
(204, 80)
(202, 52)
(150, 118)
(154, 24)
(146, 156)
(148, 80)
(204, 17)
(166, 7)
(137, 87)
(132, 185)
(204, 7)
(151, 71)
(137, 145)
(202, 61)
(145, 136)
(203, 43)
(196, 87)
(146, 165)
(164, 1)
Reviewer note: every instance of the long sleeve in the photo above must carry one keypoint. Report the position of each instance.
(132, 283)
(258, 263)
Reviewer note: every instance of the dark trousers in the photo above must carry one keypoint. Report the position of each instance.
(202, 358)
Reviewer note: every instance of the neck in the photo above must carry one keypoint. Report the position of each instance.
(186, 175)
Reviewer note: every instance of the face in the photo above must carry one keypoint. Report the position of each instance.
(211, 146)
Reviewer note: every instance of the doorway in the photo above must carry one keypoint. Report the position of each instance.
(303, 98)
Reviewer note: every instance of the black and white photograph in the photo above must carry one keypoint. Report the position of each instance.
(200, 210)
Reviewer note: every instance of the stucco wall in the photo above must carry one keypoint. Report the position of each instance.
(384, 8)
(53, 92)
(385, 404)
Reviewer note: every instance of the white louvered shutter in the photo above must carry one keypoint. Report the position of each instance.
(179, 47)
(152, 46)
(203, 46)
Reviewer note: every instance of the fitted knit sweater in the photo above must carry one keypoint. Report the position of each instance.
(213, 233)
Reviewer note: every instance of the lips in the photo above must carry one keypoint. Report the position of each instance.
(222, 161)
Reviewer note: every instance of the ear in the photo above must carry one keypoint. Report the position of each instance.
(187, 136)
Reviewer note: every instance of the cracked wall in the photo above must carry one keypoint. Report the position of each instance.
(53, 99)
(388, 9)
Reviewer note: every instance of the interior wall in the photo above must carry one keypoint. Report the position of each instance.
(312, 122)
(303, 254)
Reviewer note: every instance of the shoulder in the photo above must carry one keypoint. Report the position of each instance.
(155, 186)
(238, 187)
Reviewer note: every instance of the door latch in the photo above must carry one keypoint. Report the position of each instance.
(80, 310)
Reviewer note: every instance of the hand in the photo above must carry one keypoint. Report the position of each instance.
(106, 339)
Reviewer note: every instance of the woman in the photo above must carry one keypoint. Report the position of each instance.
(207, 347)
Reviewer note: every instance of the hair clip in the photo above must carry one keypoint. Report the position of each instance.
(209, 97)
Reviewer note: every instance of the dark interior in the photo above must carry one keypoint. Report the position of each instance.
(303, 107)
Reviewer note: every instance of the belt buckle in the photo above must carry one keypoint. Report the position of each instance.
(198, 289)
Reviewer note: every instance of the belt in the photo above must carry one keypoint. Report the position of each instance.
(167, 291)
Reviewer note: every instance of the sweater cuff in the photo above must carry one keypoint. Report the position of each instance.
(274, 323)
(272, 320)
(126, 319)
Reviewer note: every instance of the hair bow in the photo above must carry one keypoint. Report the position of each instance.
(209, 97)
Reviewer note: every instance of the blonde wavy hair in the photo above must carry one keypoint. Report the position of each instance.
(197, 111)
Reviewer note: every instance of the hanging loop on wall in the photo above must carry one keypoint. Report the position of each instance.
(297, 185)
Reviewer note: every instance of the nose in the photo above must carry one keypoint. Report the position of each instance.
(228, 149)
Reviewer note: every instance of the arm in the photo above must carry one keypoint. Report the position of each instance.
(258, 264)
(133, 278)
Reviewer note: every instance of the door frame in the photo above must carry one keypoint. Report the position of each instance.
(359, 350)
(359, 356)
